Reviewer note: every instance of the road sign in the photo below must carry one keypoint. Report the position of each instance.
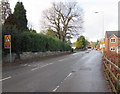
(7, 41)
(102, 42)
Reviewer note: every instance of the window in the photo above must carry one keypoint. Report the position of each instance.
(112, 40)
(112, 49)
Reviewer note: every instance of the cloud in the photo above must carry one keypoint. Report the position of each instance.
(93, 22)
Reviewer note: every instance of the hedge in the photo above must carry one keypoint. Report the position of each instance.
(38, 42)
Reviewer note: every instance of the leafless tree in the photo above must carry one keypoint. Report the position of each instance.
(64, 18)
(5, 10)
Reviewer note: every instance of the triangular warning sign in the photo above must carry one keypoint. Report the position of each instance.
(7, 39)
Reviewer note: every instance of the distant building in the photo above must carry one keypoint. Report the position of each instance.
(101, 46)
(112, 41)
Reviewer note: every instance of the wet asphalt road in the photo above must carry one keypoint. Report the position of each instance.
(78, 72)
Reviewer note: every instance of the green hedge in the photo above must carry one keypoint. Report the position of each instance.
(38, 42)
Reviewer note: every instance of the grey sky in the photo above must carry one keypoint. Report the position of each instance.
(93, 23)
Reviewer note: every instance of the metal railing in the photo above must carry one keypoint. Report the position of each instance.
(112, 72)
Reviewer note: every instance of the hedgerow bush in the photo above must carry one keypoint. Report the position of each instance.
(38, 42)
(113, 56)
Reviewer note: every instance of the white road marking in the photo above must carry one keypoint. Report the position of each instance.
(56, 88)
(62, 59)
(68, 76)
(62, 82)
(40, 67)
(25, 64)
(34, 69)
(6, 78)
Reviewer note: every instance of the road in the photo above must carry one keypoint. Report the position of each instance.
(77, 72)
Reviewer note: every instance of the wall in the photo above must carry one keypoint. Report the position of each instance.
(31, 55)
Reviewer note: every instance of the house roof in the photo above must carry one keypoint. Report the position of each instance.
(116, 33)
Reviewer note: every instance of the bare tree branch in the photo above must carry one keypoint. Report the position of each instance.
(65, 19)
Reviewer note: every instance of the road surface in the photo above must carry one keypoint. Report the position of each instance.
(77, 72)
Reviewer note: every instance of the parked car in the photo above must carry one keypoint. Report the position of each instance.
(89, 48)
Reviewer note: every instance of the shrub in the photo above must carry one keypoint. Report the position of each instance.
(38, 42)
(113, 56)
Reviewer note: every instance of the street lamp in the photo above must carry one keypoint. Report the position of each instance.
(96, 12)
(102, 12)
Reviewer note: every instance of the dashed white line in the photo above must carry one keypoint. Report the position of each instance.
(25, 64)
(29, 65)
(56, 88)
(6, 78)
(62, 59)
(62, 82)
(68, 76)
(34, 69)
(40, 67)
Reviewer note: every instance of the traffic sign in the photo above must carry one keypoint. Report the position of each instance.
(102, 43)
(7, 41)
(7, 44)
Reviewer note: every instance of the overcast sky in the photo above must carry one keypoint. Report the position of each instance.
(93, 22)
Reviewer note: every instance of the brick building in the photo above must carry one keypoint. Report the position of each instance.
(112, 40)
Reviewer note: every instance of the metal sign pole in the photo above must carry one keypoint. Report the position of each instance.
(10, 55)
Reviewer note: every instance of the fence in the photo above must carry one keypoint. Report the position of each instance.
(112, 72)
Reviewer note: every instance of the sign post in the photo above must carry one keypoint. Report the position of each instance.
(7, 44)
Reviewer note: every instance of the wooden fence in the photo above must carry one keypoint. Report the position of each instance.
(112, 72)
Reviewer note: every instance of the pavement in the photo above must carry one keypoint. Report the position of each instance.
(77, 72)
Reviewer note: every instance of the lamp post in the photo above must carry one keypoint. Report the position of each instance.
(102, 12)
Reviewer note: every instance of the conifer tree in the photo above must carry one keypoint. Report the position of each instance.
(20, 15)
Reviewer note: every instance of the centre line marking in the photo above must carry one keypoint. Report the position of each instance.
(6, 78)
(62, 82)
(68, 76)
(56, 88)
